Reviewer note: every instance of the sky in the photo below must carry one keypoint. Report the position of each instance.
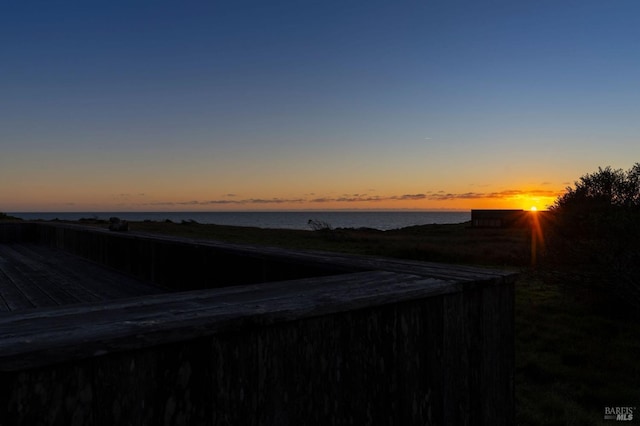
(293, 105)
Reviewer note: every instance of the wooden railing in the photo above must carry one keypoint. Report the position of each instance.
(340, 340)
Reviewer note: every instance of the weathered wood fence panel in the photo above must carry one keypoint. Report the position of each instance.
(388, 345)
(17, 232)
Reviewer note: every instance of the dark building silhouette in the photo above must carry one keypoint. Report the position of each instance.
(499, 218)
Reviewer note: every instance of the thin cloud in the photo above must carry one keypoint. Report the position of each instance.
(446, 196)
(127, 195)
(223, 202)
(358, 199)
(274, 201)
(220, 202)
(510, 193)
(410, 197)
(321, 200)
(364, 198)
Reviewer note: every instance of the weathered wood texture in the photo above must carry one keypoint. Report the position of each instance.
(11, 232)
(391, 342)
(434, 360)
(35, 276)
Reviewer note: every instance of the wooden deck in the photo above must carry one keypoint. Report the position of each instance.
(35, 276)
(102, 328)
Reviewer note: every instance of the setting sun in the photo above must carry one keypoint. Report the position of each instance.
(533, 209)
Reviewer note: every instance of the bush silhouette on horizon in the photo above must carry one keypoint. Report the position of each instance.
(8, 218)
(594, 237)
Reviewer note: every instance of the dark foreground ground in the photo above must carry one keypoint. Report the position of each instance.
(573, 356)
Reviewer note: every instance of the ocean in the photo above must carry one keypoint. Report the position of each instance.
(382, 220)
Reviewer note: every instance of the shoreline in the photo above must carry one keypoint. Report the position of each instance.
(382, 220)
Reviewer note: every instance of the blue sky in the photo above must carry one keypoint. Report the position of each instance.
(151, 105)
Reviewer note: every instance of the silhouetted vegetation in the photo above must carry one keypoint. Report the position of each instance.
(593, 241)
(92, 220)
(319, 225)
(6, 217)
(118, 225)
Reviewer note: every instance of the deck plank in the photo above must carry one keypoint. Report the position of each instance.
(78, 275)
(23, 276)
(12, 298)
(55, 275)
(34, 276)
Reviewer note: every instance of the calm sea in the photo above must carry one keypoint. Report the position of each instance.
(283, 220)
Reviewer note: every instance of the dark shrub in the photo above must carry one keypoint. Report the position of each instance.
(6, 217)
(594, 237)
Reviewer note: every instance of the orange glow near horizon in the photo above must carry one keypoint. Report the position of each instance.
(145, 199)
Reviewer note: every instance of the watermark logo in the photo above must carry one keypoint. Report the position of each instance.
(620, 414)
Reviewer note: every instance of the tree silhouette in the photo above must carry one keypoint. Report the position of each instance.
(594, 236)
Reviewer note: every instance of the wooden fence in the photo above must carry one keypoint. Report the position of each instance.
(269, 337)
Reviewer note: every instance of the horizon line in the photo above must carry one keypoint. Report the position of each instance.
(441, 210)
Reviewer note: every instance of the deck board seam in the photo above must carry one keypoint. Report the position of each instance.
(60, 272)
(47, 280)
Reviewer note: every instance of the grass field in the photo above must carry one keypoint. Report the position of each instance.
(440, 243)
(573, 358)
